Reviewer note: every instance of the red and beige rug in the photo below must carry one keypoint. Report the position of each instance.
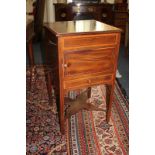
(87, 132)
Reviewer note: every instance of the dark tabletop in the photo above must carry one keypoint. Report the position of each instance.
(79, 26)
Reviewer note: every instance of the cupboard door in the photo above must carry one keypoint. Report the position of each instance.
(83, 62)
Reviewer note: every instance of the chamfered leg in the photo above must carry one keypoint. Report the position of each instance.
(109, 98)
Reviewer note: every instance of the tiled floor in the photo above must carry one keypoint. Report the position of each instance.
(123, 64)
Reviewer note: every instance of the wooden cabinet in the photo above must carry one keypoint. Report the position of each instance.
(100, 12)
(82, 58)
(121, 17)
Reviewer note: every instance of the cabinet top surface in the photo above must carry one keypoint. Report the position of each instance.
(80, 27)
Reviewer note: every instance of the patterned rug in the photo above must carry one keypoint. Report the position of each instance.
(87, 132)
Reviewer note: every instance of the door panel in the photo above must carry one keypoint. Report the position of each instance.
(89, 61)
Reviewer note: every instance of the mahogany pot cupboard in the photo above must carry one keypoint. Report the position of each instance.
(82, 54)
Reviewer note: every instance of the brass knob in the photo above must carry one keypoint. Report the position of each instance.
(63, 15)
(65, 65)
(104, 15)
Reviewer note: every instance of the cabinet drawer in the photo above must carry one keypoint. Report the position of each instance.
(77, 63)
(119, 22)
(88, 41)
(122, 15)
(81, 9)
(86, 82)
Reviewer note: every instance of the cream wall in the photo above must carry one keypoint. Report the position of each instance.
(49, 15)
(29, 7)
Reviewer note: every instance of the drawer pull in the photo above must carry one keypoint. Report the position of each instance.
(65, 65)
(104, 15)
(63, 15)
(52, 43)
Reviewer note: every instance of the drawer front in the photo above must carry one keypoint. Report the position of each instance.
(77, 63)
(84, 9)
(122, 15)
(88, 41)
(86, 82)
(119, 22)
